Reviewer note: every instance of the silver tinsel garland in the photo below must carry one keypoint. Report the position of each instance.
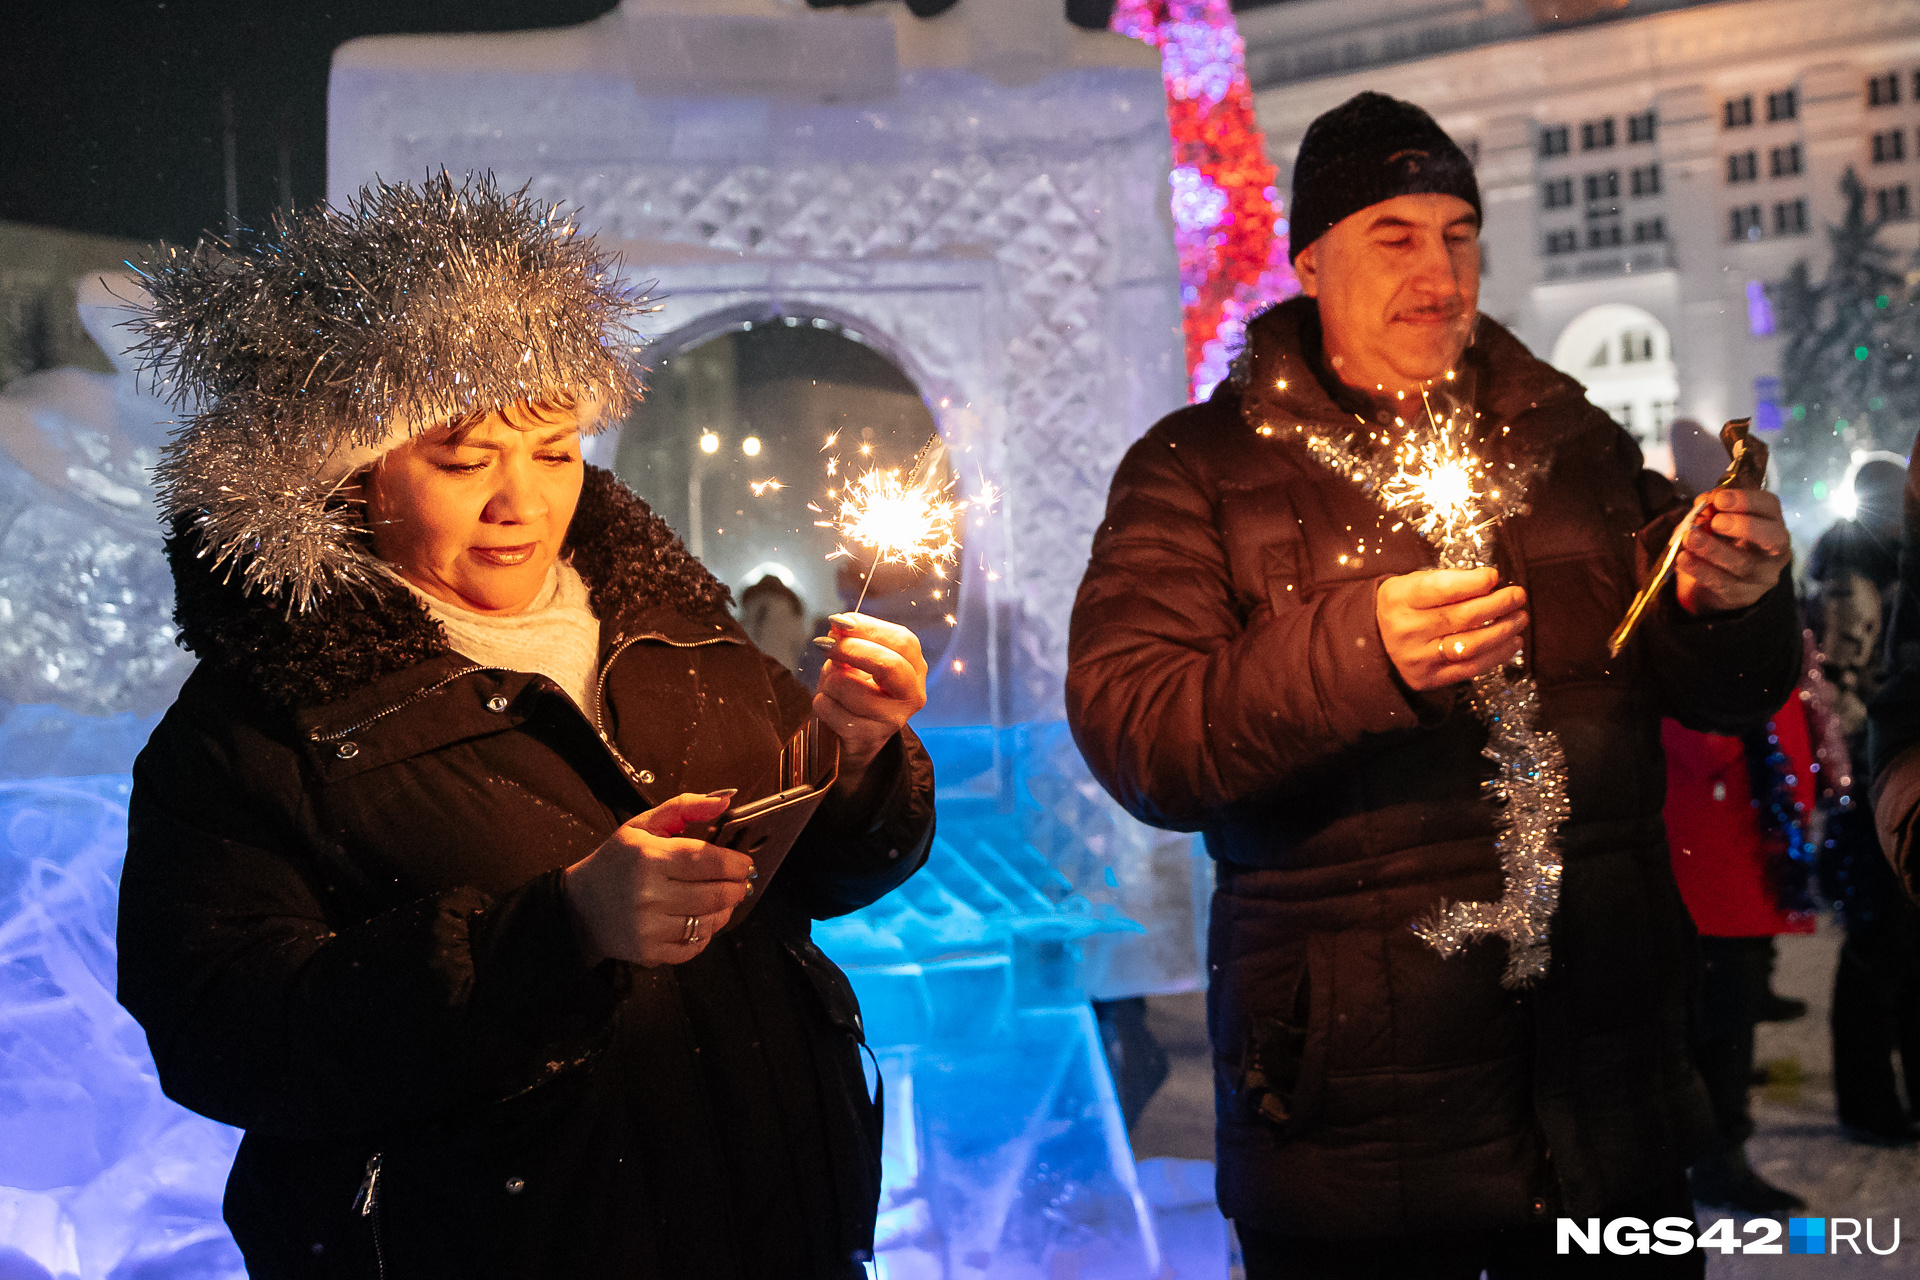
(343, 333)
(1529, 783)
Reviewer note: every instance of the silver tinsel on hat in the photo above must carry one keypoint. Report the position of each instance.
(1529, 783)
(347, 331)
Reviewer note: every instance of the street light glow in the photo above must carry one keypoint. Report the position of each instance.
(709, 443)
(750, 446)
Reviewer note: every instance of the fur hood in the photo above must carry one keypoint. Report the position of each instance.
(630, 559)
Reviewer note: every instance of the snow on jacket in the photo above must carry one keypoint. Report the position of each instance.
(343, 927)
(1227, 676)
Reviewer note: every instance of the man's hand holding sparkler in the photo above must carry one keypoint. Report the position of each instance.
(1734, 552)
(875, 679)
(1443, 626)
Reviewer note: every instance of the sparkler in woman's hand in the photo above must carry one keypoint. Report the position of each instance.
(906, 520)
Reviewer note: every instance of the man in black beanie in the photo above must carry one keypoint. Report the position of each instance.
(1448, 962)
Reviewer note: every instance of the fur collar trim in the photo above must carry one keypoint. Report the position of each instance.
(633, 564)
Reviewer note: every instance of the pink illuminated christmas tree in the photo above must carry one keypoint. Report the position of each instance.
(1227, 216)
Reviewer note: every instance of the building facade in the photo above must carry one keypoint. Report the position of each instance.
(1646, 170)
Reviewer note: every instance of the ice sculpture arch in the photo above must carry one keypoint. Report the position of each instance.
(952, 416)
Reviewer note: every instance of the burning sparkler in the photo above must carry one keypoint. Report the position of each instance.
(906, 519)
(1444, 487)
(1436, 476)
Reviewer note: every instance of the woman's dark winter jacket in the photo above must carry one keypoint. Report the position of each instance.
(343, 927)
(1227, 676)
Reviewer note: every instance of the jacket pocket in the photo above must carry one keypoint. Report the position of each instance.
(1280, 1077)
(1284, 569)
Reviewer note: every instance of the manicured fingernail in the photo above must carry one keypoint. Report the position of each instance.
(722, 795)
(825, 642)
(754, 874)
(842, 619)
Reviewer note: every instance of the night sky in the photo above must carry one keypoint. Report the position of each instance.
(110, 110)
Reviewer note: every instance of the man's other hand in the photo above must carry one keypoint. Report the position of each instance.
(1442, 626)
(1734, 556)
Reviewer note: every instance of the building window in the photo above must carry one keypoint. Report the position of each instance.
(1636, 346)
(1738, 111)
(1620, 413)
(1743, 166)
(1784, 162)
(1883, 91)
(1596, 134)
(1559, 242)
(1889, 146)
(1557, 193)
(1664, 412)
(1744, 221)
(1784, 105)
(1640, 127)
(1890, 204)
(1605, 235)
(1651, 231)
(1602, 186)
(1790, 218)
(1646, 180)
(1553, 140)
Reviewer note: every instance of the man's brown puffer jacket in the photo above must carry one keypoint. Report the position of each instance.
(1228, 677)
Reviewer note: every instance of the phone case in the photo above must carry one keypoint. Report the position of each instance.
(765, 829)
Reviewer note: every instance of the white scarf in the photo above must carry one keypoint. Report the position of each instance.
(556, 636)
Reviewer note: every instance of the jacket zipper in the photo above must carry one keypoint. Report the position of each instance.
(404, 703)
(598, 720)
(620, 645)
(367, 1204)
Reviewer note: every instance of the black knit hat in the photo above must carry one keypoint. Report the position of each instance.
(1368, 149)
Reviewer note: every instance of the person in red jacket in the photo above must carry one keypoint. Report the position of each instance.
(1741, 823)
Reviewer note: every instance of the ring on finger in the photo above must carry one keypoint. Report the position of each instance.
(692, 933)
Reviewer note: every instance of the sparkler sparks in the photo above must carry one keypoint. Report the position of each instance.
(1434, 478)
(908, 518)
(763, 487)
(1451, 493)
(1445, 489)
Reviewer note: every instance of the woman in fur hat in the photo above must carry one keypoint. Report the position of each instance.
(407, 895)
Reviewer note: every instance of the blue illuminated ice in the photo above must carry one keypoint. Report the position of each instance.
(100, 1174)
(1006, 1154)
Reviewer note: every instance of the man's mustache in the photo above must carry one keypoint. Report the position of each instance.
(1444, 311)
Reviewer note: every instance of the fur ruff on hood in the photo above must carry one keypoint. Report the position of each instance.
(630, 559)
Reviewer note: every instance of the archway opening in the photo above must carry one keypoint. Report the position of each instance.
(730, 446)
(1624, 357)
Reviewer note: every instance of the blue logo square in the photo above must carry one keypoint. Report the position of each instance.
(1806, 1235)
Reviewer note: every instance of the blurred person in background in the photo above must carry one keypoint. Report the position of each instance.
(1744, 816)
(1852, 579)
(1894, 720)
(775, 619)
